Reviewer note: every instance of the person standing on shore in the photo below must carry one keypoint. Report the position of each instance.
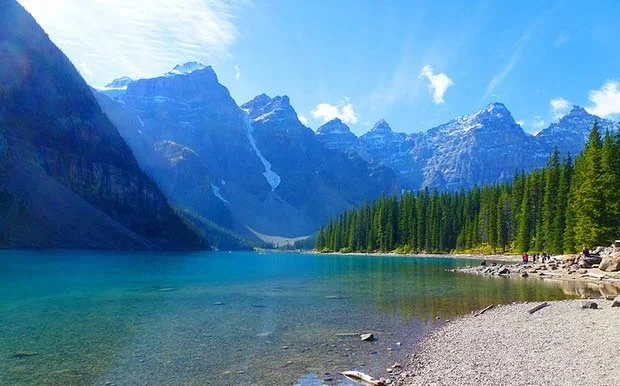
(525, 258)
(585, 251)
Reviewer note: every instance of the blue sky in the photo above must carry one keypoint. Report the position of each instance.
(415, 63)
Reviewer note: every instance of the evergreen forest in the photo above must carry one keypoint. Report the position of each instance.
(558, 209)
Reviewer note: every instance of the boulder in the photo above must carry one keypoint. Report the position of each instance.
(367, 337)
(583, 264)
(589, 305)
(611, 263)
(569, 259)
(503, 271)
(616, 302)
(524, 274)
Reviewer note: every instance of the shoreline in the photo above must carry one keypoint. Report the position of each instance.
(465, 256)
(561, 344)
(606, 283)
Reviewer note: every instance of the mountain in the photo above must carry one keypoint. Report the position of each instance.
(313, 178)
(252, 169)
(69, 180)
(336, 135)
(570, 133)
(485, 147)
(481, 148)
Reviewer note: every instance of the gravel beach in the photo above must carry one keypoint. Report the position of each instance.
(561, 344)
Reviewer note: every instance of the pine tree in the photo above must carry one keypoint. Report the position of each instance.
(587, 201)
(525, 218)
(610, 185)
(550, 240)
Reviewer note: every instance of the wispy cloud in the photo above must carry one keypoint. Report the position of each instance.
(560, 40)
(237, 72)
(395, 86)
(140, 37)
(606, 100)
(327, 112)
(438, 83)
(510, 65)
(559, 107)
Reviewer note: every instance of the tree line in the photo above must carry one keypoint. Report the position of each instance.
(557, 209)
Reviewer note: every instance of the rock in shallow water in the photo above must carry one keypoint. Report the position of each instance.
(24, 354)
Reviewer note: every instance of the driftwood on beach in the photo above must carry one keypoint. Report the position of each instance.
(538, 307)
(362, 378)
(485, 309)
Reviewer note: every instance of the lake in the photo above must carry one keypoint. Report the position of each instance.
(219, 318)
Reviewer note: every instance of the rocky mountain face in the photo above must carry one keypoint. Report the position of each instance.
(570, 133)
(336, 135)
(68, 179)
(485, 147)
(253, 169)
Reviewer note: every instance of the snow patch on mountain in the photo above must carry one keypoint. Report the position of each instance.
(272, 178)
(218, 193)
(118, 84)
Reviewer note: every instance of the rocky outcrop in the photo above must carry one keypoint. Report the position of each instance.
(70, 179)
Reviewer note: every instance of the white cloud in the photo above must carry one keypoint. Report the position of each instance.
(439, 83)
(514, 59)
(327, 112)
(137, 38)
(559, 107)
(237, 72)
(302, 119)
(606, 100)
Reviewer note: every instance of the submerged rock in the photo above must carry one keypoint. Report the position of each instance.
(24, 354)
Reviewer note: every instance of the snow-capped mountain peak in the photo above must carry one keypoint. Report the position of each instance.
(382, 126)
(495, 115)
(263, 108)
(335, 126)
(186, 68)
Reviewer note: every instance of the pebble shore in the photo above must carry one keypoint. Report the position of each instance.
(561, 344)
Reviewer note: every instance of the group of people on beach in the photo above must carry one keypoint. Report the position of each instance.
(543, 258)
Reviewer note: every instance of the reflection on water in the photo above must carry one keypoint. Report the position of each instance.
(220, 318)
(588, 289)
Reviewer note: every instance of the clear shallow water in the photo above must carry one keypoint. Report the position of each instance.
(98, 318)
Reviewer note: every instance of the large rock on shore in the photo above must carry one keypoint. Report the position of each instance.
(611, 263)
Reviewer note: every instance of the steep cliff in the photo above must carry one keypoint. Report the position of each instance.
(69, 179)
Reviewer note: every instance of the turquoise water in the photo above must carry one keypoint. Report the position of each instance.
(95, 318)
